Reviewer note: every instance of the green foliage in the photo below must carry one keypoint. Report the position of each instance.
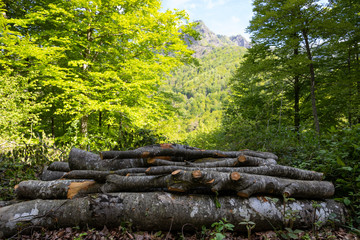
(291, 234)
(199, 93)
(88, 72)
(249, 226)
(20, 162)
(220, 228)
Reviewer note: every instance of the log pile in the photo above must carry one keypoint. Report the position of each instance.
(166, 176)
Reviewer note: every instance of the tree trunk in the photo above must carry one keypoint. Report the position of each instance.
(312, 81)
(52, 127)
(84, 125)
(296, 98)
(163, 211)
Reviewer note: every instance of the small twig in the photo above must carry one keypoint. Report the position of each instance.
(182, 228)
(168, 234)
(24, 229)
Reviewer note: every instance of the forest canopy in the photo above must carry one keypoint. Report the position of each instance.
(77, 70)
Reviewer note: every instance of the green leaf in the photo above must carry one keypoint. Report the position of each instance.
(347, 201)
(347, 168)
(292, 235)
(340, 162)
(219, 236)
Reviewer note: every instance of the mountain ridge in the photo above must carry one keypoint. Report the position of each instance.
(210, 41)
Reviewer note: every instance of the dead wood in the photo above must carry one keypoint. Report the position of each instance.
(100, 176)
(270, 170)
(48, 175)
(156, 211)
(250, 184)
(56, 189)
(83, 160)
(244, 185)
(59, 166)
(184, 154)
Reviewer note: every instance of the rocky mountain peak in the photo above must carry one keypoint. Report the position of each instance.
(209, 40)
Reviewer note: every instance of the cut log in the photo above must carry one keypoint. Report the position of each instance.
(48, 175)
(112, 154)
(59, 166)
(259, 154)
(57, 189)
(155, 211)
(83, 160)
(270, 170)
(244, 184)
(80, 159)
(186, 154)
(117, 183)
(248, 184)
(251, 184)
(100, 176)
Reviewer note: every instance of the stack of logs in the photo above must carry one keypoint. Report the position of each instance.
(176, 168)
(156, 172)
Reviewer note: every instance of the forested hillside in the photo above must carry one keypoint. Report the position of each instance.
(201, 89)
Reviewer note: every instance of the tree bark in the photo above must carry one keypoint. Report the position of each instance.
(83, 160)
(100, 176)
(312, 81)
(59, 166)
(163, 211)
(243, 184)
(56, 189)
(296, 96)
(270, 170)
(186, 154)
(84, 125)
(48, 175)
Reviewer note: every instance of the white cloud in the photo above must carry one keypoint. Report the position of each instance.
(192, 6)
(177, 3)
(235, 19)
(213, 3)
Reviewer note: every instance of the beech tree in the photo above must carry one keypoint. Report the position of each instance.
(283, 62)
(114, 54)
(22, 66)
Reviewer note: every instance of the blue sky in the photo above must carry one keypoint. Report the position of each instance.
(226, 17)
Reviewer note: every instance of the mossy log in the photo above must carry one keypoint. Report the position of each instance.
(164, 211)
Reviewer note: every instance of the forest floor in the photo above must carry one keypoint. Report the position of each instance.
(123, 233)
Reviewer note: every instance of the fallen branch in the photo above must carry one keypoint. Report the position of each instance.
(83, 160)
(48, 175)
(59, 166)
(57, 189)
(100, 176)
